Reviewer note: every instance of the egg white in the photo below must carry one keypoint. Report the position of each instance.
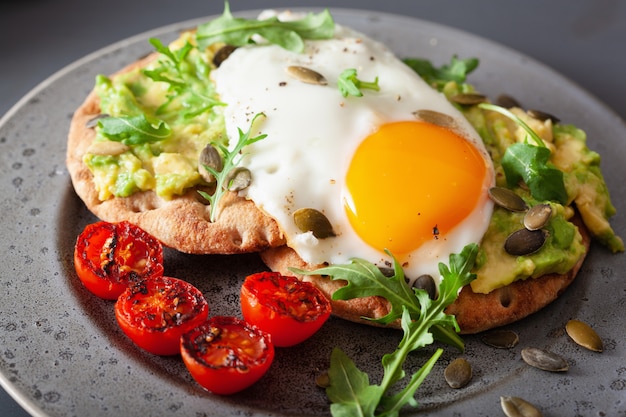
(313, 132)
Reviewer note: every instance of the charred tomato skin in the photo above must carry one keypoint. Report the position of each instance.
(109, 256)
(155, 312)
(226, 355)
(288, 309)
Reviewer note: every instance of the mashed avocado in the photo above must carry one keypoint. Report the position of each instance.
(495, 268)
(174, 92)
(586, 191)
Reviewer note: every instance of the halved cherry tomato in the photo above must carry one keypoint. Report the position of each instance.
(226, 355)
(155, 312)
(288, 309)
(108, 256)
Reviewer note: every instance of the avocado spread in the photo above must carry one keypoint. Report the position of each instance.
(174, 91)
(586, 191)
(166, 113)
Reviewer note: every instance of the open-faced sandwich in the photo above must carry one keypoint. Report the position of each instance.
(316, 145)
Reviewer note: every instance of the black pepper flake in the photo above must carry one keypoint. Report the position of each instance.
(436, 232)
(282, 83)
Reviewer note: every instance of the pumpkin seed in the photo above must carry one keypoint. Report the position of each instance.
(458, 373)
(524, 242)
(209, 157)
(223, 53)
(427, 283)
(501, 339)
(238, 179)
(468, 99)
(518, 407)
(107, 147)
(306, 75)
(544, 360)
(543, 116)
(584, 335)
(322, 380)
(387, 272)
(507, 199)
(434, 117)
(311, 220)
(506, 101)
(537, 216)
(93, 122)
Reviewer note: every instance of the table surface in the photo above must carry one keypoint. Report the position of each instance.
(581, 39)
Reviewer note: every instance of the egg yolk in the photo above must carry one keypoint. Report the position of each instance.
(411, 182)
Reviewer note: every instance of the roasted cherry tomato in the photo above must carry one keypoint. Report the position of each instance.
(155, 312)
(288, 309)
(226, 355)
(108, 256)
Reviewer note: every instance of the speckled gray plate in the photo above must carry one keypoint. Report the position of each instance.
(62, 353)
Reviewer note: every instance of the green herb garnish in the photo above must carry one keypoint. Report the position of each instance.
(231, 159)
(134, 130)
(289, 35)
(530, 163)
(190, 87)
(350, 390)
(349, 84)
(456, 71)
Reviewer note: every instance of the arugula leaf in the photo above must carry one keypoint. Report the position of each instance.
(176, 57)
(231, 159)
(394, 404)
(349, 84)
(350, 390)
(531, 163)
(457, 70)
(449, 336)
(288, 35)
(133, 130)
(188, 79)
(366, 279)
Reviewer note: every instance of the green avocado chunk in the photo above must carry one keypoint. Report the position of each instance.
(585, 184)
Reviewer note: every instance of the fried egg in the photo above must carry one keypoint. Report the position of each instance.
(385, 179)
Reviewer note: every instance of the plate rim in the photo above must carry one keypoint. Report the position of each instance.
(29, 404)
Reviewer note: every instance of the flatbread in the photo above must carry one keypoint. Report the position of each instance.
(474, 312)
(181, 223)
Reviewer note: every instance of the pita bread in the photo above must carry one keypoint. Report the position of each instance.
(474, 312)
(181, 223)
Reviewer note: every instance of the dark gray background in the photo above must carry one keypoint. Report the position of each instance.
(585, 40)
